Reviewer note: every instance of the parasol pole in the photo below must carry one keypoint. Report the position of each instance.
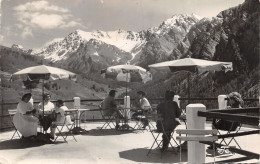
(189, 86)
(43, 100)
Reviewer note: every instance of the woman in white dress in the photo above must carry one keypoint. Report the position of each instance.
(24, 120)
(60, 112)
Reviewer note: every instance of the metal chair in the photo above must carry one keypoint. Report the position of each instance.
(12, 112)
(229, 127)
(109, 119)
(68, 123)
(138, 120)
(156, 133)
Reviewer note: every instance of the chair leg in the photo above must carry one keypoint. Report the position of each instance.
(60, 134)
(155, 141)
(107, 123)
(16, 131)
(70, 131)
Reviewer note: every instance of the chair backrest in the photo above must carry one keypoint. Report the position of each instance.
(70, 114)
(12, 111)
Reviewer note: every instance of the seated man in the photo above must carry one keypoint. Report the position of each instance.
(169, 110)
(144, 106)
(109, 106)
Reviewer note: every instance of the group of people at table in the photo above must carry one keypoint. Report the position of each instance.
(27, 118)
(168, 110)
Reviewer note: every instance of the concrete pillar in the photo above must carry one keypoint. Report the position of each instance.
(176, 99)
(196, 150)
(76, 105)
(127, 113)
(222, 103)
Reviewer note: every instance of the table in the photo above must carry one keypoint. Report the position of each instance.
(126, 112)
(77, 129)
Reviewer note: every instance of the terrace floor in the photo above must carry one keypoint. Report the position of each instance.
(103, 146)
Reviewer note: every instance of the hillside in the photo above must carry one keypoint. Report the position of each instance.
(12, 61)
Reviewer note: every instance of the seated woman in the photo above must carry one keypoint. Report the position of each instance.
(235, 101)
(60, 117)
(144, 106)
(48, 117)
(24, 120)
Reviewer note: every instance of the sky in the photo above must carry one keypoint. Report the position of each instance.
(33, 23)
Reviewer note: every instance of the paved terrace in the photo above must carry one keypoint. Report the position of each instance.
(103, 146)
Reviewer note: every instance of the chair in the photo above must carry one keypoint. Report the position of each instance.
(197, 135)
(229, 127)
(68, 123)
(138, 120)
(109, 119)
(156, 133)
(12, 112)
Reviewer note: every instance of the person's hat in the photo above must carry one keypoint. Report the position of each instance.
(141, 93)
(235, 96)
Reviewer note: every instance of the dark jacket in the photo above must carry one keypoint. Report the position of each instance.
(169, 110)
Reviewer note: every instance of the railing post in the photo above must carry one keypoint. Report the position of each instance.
(76, 105)
(222, 103)
(127, 113)
(176, 99)
(196, 150)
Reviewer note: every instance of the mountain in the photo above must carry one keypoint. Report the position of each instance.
(85, 51)
(125, 41)
(162, 40)
(231, 36)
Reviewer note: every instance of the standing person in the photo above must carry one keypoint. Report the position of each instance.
(145, 107)
(60, 112)
(24, 120)
(48, 117)
(169, 111)
(109, 107)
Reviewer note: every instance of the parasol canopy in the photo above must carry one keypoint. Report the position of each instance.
(127, 73)
(192, 65)
(44, 72)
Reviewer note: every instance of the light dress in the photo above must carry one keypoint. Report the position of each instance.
(61, 116)
(26, 124)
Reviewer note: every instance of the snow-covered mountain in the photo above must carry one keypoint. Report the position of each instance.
(182, 23)
(118, 47)
(127, 41)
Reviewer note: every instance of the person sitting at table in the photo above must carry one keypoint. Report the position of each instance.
(235, 101)
(59, 110)
(169, 111)
(49, 116)
(109, 106)
(143, 106)
(24, 120)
